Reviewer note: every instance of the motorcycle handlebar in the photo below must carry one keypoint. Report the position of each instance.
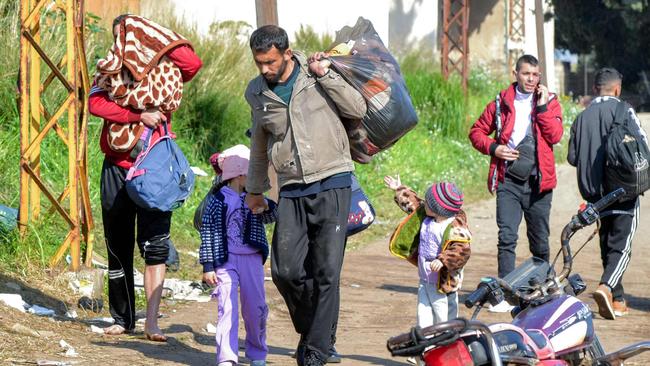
(610, 198)
(583, 218)
(406, 345)
(477, 295)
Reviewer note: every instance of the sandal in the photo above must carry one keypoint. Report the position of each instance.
(155, 337)
(115, 329)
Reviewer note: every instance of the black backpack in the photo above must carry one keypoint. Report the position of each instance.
(626, 156)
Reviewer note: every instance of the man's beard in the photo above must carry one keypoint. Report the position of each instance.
(277, 76)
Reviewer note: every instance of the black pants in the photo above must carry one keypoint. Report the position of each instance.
(307, 255)
(515, 199)
(616, 233)
(119, 214)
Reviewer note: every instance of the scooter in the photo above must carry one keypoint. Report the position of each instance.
(550, 327)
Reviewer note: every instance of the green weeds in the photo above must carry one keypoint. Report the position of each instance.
(214, 115)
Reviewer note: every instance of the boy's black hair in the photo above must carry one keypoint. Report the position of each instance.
(526, 59)
(607, 76)
(268, 36)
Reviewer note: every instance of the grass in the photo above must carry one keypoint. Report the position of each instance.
(214, 115)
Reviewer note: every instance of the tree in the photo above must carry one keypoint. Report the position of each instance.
(616, 31)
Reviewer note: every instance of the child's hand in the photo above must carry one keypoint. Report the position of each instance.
(392, 183)
(256, 203)
(210, 278)
(436, 265)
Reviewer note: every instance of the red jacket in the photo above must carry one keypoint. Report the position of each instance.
(547, 122)
(100, 105)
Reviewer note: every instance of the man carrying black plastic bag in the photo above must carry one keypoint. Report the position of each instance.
(296, 107)
(362, 59)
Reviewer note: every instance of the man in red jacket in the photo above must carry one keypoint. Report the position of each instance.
(530, 120)
(119, 212)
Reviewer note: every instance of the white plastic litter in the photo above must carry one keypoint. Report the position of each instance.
(15, 301)
(81, 286)
(69, 350)
(41, 310)
(72, 314)
(86, 288)
(73, 285)
(102, 320)
(53, 363)
(210, 328)
(99, 264)
(198, 171)
(96, 329)
(185, 290)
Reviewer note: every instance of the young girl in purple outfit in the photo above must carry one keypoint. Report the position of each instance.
(233, 251)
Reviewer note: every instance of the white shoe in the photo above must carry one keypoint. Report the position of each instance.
(502, 307)
(227, 363)
(415, 361)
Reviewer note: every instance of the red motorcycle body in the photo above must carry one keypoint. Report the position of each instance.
(455, 354)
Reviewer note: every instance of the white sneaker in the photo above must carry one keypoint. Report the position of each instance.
(502, 307)
(227, 363)
(415, 361)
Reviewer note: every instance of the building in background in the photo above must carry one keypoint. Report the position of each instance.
(401, 24)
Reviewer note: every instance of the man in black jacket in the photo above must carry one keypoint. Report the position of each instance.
(587, 154)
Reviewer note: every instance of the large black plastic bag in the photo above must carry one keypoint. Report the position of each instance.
(374, 72)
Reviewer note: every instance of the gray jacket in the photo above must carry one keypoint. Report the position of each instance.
(305, 141)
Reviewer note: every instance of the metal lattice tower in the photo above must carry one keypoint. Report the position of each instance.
(455, 45)
(66, 119)
(516, 31)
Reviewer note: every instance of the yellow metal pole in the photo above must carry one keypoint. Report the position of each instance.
(35, 123)
(23, 212)
(73, 136)
(71, 72)
(82, 155)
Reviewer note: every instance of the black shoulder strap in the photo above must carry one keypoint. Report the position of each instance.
(497, 136)
(621, 114)
(499, 125)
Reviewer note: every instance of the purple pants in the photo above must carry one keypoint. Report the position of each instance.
(246, 272)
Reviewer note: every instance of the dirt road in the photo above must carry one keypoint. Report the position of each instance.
(378, 301)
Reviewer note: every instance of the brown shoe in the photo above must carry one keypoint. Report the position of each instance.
(603, 297)
(620, 307)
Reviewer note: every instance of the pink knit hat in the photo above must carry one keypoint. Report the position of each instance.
(231, 162)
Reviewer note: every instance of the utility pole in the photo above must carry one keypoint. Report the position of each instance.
(541, 45)
(455, 45)
(267, 12)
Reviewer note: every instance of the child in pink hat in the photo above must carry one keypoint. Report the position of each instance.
(233, 251)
